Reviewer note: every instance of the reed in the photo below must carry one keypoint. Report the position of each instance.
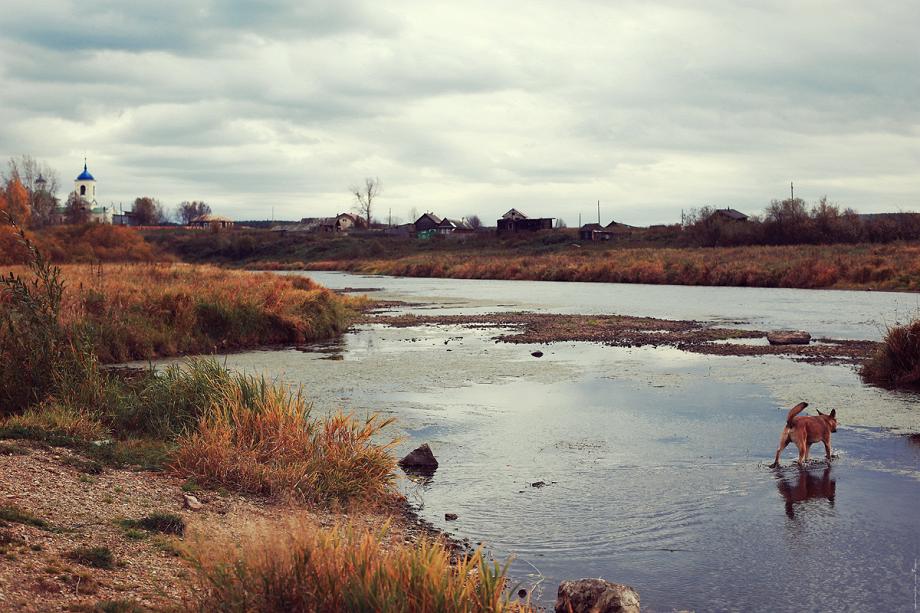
(300, 568)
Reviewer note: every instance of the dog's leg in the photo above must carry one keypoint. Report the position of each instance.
(827, 448)
(783, 442)
(803, 450)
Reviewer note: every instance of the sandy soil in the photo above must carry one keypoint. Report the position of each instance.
(80, 509)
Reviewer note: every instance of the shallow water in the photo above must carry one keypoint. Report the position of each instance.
(655, 460)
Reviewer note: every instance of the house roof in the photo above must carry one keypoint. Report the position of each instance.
(731, 214)
(592, 226)
(618, 225)
(434, 218)
(461, 224)
(514, 214)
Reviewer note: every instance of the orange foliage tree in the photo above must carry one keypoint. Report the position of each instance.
(15, 201)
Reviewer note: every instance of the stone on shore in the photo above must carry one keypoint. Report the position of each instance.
(596, 596)
(788, 337)
(191, 503)
(420, 457)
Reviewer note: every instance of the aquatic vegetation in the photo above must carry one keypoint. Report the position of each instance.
(300, 568)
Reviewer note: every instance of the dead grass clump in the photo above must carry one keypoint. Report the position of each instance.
(301, 568)
(897, 361)
(164, 523)
(13, 514)
(260, 438)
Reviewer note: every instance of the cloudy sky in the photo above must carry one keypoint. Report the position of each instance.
(470, 107)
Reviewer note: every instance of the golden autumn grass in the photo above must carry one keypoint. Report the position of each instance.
(141, 311)
(893, 266)
(300, 568)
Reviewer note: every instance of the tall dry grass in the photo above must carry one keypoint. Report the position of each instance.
(260, 438)
(897, 361)
(142, 311)
(885, 267)
(297, 568)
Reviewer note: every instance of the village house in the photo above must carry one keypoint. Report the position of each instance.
(428, 223)
(728, 215)
(214, 223)
(597, 232)
(515, 221)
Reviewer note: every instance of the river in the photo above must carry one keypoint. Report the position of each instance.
(655, 461)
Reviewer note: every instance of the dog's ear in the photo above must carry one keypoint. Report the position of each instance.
(833, 414)
(819, 412)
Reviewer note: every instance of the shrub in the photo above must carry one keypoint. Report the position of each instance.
(896, 363)
(300, 568)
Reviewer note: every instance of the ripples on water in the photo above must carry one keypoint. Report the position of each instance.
(655, 461)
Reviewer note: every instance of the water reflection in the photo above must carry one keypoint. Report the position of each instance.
(806, 486)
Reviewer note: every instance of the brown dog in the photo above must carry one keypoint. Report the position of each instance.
(805, 430)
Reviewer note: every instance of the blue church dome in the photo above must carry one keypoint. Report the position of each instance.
(85, 176)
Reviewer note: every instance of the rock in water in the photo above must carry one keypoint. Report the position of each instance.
(450, 516)
(420, 457)
(537, 354)
(788, 337)
(596, 596)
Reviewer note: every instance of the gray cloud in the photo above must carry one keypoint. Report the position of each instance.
(650, 107)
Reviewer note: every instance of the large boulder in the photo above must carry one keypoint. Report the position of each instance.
(596, 596)
(788, 337)
(420, 458)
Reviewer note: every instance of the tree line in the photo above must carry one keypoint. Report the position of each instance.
(793, 222)
(28, 191)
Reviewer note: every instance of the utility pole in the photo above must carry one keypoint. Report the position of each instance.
(579, 220)
(598, 212)
(390, 218)
(791, 190)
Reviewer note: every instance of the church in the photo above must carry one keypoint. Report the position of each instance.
(84, 186)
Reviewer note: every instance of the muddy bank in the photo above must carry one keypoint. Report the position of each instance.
(629, 331)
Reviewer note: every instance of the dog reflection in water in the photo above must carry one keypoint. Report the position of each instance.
(806, 486)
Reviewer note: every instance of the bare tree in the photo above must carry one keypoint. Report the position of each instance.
(560, 224)
(148, 211)
(474, 221)
(413, 214)
(365, 196)
(187, 212)
(76, 210)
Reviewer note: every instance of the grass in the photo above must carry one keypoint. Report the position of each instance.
(260, 438)
(135, 312)
(889, 267)
(300, 568)
(95, 557)
(897, 361)
(13, 514)
(163, 523)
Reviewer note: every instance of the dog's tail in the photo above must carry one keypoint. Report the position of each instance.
(795, 411)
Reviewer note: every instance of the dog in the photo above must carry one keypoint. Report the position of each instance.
(805, 430)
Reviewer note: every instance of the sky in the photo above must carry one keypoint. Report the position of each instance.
(275, 108)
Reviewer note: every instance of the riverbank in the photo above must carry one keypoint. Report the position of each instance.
(893, 267)
(145, 311)
(71, 505)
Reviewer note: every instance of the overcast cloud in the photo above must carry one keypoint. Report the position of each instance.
(472, 107)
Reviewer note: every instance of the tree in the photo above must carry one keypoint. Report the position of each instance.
(15, 201)
(560, 224)
(148, 211)
(187, 212)
(365, 196)
(474, 221)
(413, 214)
(42, 195)
(76, 210)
